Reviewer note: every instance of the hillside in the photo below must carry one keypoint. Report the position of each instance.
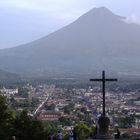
(8, 77)
(97, 40)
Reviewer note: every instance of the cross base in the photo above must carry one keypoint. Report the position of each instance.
(103, 128)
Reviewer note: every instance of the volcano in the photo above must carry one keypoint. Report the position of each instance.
(98, 40)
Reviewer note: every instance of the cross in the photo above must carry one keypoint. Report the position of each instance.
(103, 80)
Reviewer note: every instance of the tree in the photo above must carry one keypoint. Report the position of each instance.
(82, 131)
(49, 129)
(23, 92)
(69, 108)
(65, 121)
(22, 125)
(126, 122)
(27, 128)
(6, 120)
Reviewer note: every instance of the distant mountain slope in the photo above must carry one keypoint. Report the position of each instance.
(97, 40)
(8, 77)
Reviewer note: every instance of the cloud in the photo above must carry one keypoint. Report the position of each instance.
(133, 19)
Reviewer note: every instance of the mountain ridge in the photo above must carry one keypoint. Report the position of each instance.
(97, 40)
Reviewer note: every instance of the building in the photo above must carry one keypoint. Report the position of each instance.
(49, 116)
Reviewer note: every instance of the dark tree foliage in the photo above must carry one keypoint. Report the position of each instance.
(82, 131)
(68, 108)
(126, 122)
(27, 128)
(65, 121)
(21, 125)
(6, 120)
(50, 129)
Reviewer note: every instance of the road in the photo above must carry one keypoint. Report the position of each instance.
(39, 108)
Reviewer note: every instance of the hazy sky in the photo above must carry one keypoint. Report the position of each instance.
(22, 21)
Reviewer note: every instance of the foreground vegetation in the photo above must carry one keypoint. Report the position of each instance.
(24, 127)
(20, 125)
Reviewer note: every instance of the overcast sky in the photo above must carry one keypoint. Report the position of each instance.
(22, 21)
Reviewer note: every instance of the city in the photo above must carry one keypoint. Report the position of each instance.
(68, 107)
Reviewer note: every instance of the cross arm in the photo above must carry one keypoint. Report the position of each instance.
(96, 80)
(100, 80)
(111, 80)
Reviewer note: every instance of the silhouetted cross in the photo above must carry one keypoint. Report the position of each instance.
(103, 80)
